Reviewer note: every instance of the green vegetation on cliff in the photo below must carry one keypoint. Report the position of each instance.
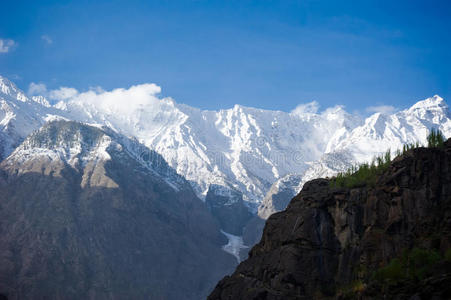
(415, 264)
(435, 139)
(366, 174)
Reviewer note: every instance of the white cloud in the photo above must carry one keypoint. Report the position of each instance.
(63, 93)
(47, 39)
(97, 89)
(384, 109)
(310, 107)
(334, 110)
(119, 101)
(37, 89)
(6, 45)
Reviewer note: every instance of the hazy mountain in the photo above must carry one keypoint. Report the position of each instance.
(87, 213)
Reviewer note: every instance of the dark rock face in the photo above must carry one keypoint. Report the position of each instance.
(252, 234)
(105, 229)
(227, 206)
(328, 238)
(277, 199)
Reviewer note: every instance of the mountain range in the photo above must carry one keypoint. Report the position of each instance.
(243, 149)
(97, 171)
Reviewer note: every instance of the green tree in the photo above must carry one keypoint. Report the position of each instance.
(435, 139)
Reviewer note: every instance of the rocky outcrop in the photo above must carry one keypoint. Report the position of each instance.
(85, 215)
(335, 242)
(279, 195)
(277, 199)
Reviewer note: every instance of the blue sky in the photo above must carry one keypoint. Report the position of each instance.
(213, 54)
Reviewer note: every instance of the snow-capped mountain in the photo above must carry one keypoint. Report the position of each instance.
(243, 149)
(380, 133)
(17, 117)
(84, 148)
(20, 115)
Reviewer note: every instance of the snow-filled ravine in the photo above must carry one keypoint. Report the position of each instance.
(234, 245)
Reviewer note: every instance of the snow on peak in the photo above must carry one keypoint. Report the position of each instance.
(78, 144)
(375, 125)
(19, 116)
(430, 103)
(306, 109)
(242, 148)
(382, 132)
(41, 100)
(5, 85)
(70, 142)
(229, 193)
(8, 88)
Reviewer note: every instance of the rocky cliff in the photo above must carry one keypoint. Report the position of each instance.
(386, 240)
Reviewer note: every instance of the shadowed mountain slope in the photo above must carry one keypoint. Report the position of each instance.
(85, 214)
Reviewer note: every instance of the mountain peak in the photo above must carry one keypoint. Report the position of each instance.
(41, 100)
(65, 142)
(60, 132)
(10, 89)
(5, 84)
(78, 144)
(430, 103)
(376, 124)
